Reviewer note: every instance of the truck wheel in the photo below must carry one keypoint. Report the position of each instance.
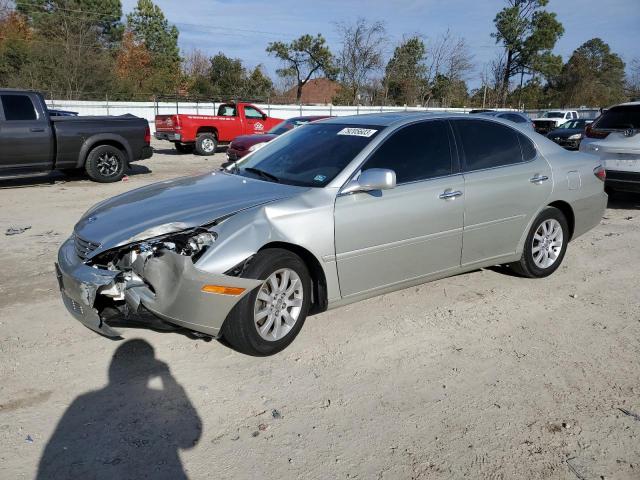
(106, 163)
(184, 147)
(206, 144)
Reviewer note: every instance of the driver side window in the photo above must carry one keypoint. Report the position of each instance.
(415, 152)
(251, 112)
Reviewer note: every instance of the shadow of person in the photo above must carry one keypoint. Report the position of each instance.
(128, 429)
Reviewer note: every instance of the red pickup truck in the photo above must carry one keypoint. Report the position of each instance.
(205, 132)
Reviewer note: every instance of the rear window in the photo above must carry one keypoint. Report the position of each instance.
(621, 117)
(18, 107)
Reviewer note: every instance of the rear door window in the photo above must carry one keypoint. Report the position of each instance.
(415, 152)
(488, 144)
(621, 117)
(18, 107)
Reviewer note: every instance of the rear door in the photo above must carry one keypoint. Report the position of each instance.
(26, 139)
(386, 237)
(506, 182)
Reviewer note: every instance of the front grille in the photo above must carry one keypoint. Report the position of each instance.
(84, 247)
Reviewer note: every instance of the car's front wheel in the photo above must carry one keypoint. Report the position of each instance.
(545, 245)
(268, 319)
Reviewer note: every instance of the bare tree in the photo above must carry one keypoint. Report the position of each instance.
(361, 54)
(633, 79)
(449, 56)
(196, 63)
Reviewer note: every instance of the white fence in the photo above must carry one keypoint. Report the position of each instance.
(149, 110)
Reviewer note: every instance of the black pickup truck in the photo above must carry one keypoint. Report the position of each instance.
(32, 140)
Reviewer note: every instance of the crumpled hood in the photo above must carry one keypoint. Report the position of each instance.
(191, 201)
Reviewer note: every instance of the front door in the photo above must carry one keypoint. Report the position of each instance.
(384, 238)
(25, 134)
(254, 119)
(506, 182)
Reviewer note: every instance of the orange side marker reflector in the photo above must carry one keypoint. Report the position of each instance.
(221, 290)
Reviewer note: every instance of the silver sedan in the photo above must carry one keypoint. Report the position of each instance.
(328, 214)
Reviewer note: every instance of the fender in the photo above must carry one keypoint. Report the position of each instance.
(90, 142)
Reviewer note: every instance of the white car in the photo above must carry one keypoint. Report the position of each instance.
(615, 138)
(553, 119)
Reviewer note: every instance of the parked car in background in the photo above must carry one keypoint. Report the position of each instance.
(203, 133)
(569, 134)
(515, 117)
(32, 141)
(333, 212)
(245, 144)
(53, 112)
(553, 119)
(614, 138)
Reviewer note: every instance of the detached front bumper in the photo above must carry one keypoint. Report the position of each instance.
(172, 292)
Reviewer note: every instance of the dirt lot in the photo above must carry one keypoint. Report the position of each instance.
(484, 375)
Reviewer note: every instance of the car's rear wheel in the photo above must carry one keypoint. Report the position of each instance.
(269, 318)
(106, 163)
(206, 144)
(545, 246)
(184, 147)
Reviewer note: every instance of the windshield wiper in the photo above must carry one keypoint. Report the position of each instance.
(263, 174)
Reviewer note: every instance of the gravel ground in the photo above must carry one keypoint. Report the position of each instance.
(483, 375)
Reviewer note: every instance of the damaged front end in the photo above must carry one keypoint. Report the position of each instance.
(150, 283)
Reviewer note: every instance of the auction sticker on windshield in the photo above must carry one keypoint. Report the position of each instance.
(357, 132)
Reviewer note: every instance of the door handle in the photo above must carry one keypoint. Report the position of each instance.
(449, 194)
(37, 129)
(538, 179)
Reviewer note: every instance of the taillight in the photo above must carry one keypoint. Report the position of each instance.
(600, 172)
(147, 135)
(176, 122)
(591, 133)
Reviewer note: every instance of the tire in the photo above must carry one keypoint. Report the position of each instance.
(206, 144)
(240, 329)
(106, 164)
(533, 264)
(184, 147)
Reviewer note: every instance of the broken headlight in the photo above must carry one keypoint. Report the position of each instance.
(192, 243)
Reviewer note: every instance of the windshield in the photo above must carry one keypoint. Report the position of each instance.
(553, 115)
(622, 117)
(574, 124)
(309, 156)
(287, 125)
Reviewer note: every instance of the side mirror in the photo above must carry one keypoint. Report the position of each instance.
(372, 179)
(264, 116)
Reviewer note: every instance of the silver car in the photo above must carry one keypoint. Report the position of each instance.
(328, 214)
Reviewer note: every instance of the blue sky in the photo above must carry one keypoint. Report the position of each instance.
(243, 28)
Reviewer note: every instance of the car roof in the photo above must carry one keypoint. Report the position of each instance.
(387, 119)
(502, 112)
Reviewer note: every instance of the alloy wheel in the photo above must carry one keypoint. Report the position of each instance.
(108, 164)
(547, 243)
(278, 304)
